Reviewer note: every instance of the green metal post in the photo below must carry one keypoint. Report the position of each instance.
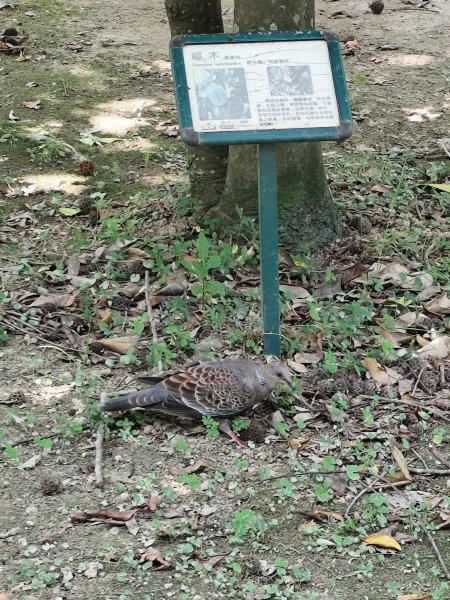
(268, 227)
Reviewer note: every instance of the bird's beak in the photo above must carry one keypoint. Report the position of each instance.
(290, 383)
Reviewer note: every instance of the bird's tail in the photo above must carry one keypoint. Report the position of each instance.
(134, 400)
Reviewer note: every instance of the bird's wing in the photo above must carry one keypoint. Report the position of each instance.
(211, 390)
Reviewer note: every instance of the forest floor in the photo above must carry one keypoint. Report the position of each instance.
(363, 447)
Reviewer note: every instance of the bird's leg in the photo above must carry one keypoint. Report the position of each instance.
(224, 426)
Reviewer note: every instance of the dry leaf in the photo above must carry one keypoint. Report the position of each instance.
(211, 560)
(438, 348)
(121, 345)
(154, 556)
(132, 525)
(413, 597)
(33, 104)
(401, 462)
(382, 540)
(376, 371)
(153, 502)
(396, 338)
(57, 300)
(380, 189)
(298, 444)
(32, 462)
(105, 514)
(439, 305)
(173, 513)
(197, 467)
(172, 289)
(135, 253)
(297, 367)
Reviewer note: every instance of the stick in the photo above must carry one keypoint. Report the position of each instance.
(434, 472)
(151, 318)
(99, 457)
(435, 548)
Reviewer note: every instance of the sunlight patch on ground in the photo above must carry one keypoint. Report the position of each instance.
(162, 179)
(119, 117)
(139, 144)
(419, 115)
(67, 183)
(410, 60)
(115, 124)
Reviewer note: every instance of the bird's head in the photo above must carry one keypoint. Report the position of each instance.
(276, 373)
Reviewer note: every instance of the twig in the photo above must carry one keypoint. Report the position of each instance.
(424, 528)
(433, 472)
(444, 148)
(365, 490)
(420, 458)
(417, 381)
(442, 375)
(300, 474)
(151, 318)
(99, 456)
(439, 457)
(30, 439)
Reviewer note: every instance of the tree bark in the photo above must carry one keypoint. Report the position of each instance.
(308, 215)
(207, 165)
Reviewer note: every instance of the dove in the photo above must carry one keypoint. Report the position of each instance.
(220, 389)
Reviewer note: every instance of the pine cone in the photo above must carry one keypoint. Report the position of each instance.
(255, 433)
(376, 7)
(86, 168)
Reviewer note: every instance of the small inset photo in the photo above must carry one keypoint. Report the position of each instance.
(290, 81)
(222, 94)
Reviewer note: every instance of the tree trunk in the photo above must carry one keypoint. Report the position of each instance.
(308, 215)
(207, 165)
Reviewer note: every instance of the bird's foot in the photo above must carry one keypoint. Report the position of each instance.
(224, 426)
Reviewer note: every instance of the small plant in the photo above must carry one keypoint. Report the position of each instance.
(207, 288)
(212, 426)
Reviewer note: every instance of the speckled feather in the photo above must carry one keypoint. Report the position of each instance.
(221, 389)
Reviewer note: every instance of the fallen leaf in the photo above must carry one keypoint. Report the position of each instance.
(154, 556)
(153, 502)
(382, 540)
(136, 253)
(197, 467)
(93, 569)
(352, 272)
(445, 187)
(207, 510)
(32, 104)
(401, 462)
(376, 371)
(120, 345)
(298, 444)
(413, 597)
(380, 189)
(12, 116)
(438, 348)
(105, 514)
(173, 513)
(106, 316)
(210, 561)
(67, 211)
(439, 305)
(57, 300)
(396, 338)
(172, 289)
(132, 525)
(32, 462)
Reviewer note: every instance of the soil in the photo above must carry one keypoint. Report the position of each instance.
(399, 69)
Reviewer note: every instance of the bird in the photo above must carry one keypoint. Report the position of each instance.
(221, 389)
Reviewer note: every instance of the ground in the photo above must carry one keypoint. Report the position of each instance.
(363, 446)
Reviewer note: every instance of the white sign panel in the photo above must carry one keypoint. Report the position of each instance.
(264, 85)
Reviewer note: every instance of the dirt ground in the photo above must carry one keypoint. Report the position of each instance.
(101, 67)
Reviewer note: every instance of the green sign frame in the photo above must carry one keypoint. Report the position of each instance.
(259, 136)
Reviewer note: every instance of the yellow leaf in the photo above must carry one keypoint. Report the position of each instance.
(439, 305)
(401, 462)
(377, 372)
(106, 316)
(69, 212)
(444, 187)
(382, 540)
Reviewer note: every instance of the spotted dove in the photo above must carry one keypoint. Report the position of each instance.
(221, 389)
